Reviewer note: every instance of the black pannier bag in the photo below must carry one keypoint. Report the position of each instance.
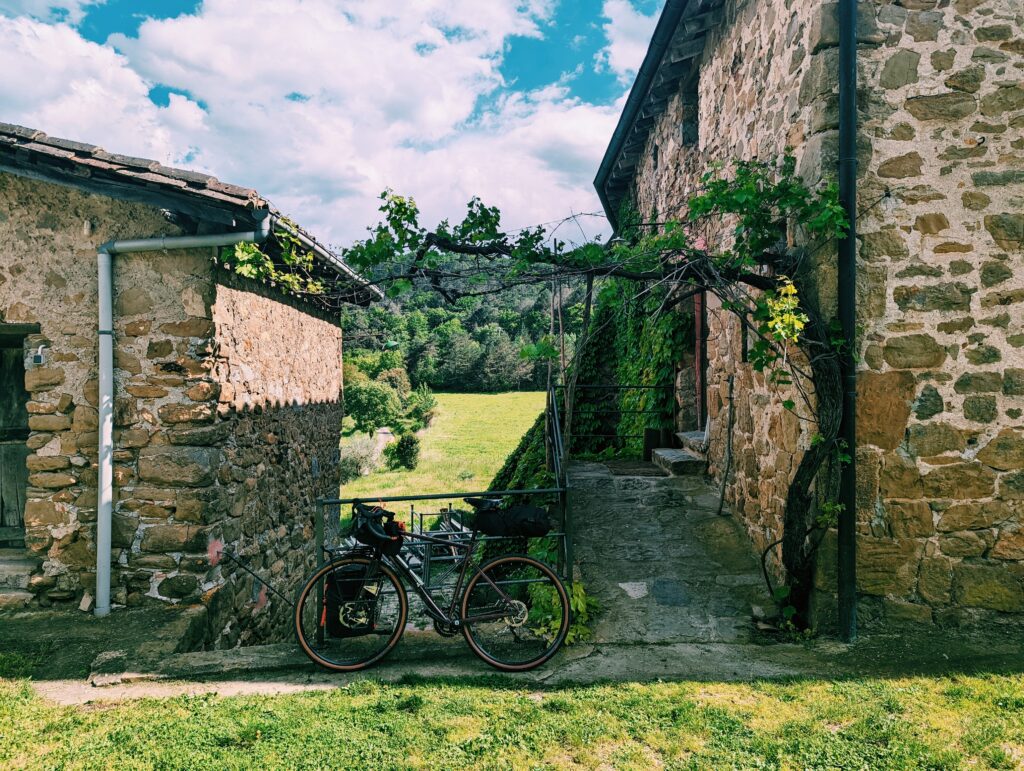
(517, 521)
(350, 601)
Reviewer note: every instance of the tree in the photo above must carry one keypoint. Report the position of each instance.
(372, 405)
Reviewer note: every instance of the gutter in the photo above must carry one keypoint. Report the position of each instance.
(847, 290)
(104, 264)
(662, 39)
(328, 257)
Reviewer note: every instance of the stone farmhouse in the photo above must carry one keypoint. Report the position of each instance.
(152, 401)
(939, 126)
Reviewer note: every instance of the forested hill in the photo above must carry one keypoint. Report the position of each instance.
(474, 344)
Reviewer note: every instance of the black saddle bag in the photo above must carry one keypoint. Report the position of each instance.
(518, 521)
(350, 602)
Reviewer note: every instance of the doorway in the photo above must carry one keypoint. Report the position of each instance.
(13, 433)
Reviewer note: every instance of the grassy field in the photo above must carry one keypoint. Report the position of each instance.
(933, 723)
(463, 447)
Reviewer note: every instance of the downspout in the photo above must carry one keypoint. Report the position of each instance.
(104, 265)
(847, 290)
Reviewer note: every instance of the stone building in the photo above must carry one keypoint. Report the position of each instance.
(225, 395)
(940, 291)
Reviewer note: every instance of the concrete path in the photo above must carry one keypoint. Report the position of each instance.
(665, 567)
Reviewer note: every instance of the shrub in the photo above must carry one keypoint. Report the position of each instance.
(372, 405)
(357, 457)
(398, 379)
(420, 406)
(405, 453)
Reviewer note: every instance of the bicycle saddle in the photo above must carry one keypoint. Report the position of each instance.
(483, 503)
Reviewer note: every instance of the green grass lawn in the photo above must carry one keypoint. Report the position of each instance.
(463, 447)
(933, 723)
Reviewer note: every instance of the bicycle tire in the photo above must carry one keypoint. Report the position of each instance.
(315, 650)
(501, 570)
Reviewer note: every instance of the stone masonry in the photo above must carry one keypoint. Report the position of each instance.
(940, 287)
(227, 414)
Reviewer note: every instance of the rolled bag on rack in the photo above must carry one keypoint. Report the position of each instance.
(517, 521)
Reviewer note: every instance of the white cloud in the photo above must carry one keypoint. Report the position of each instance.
(382, 95)
(71, 11)
(629, 33)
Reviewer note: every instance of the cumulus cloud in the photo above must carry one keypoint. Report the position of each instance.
(628, 31)
(322, 104)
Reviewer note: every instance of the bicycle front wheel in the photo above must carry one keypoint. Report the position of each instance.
(350, 614)
(515, 613)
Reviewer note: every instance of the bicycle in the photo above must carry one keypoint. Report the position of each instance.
(513, 610)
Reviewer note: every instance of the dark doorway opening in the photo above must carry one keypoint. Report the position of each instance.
(13, 433)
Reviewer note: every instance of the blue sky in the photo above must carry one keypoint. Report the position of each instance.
(320, 104)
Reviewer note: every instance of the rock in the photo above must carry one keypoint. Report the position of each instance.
(898, 612)
(959, 480)
(1007, 230)
(968, 80)
(158, 349)
(127, 361)
(943, 60)
(950, 106)
(902, 166)
(191, 327)
(929, 439)
(993, 273)
(980, 409)
(910, 519)
(993, 32)
(122, 530)
(824, 27)
(983, 354)
(1009, 545)
(997, 178)
(900, 69)
(144, 391)
(133, 302)
(184, 466)
(924, 25)
(1005, 452)
(49, 422)
(133, 438)
(179, 586)
(888, 242)
(899, 478)
(203, 391)
(47, 463)
(987, 586)
(201, 436)
(43, 514)
(885, 566)
(934, 297)
(928, 403)
(51, 481)
(965, 543)
(137, 328)
(978, 382)
(932, 223)
(43, 378)
(974, 200)
(883, 407)
(1013, 382)
(973, 516)
(935, 580)
(913, 352)
(85, 418)
(176, 537)
(1003, 99)
(918, 194)
(988, 55)
(187, 413)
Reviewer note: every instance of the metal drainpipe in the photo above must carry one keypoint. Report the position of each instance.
(847, 290)
(104, 264)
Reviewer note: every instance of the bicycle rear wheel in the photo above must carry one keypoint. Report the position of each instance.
(515, 613)
(350, 614)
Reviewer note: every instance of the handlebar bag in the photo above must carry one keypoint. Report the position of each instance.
(517, 521)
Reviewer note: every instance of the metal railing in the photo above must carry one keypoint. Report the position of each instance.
(617, 410)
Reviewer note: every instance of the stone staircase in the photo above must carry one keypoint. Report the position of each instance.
(15, 571)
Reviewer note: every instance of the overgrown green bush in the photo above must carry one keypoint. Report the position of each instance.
(397, 378)
(372, 405)
(420, 408)
(405, 453)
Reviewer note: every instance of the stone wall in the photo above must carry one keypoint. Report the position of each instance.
(940, 288)
(941, 458)
(226, 401)
(278, 372)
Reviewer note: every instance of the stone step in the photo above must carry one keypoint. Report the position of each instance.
(16, 568)
(678, 462)
(14, 598)
(692, 441)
